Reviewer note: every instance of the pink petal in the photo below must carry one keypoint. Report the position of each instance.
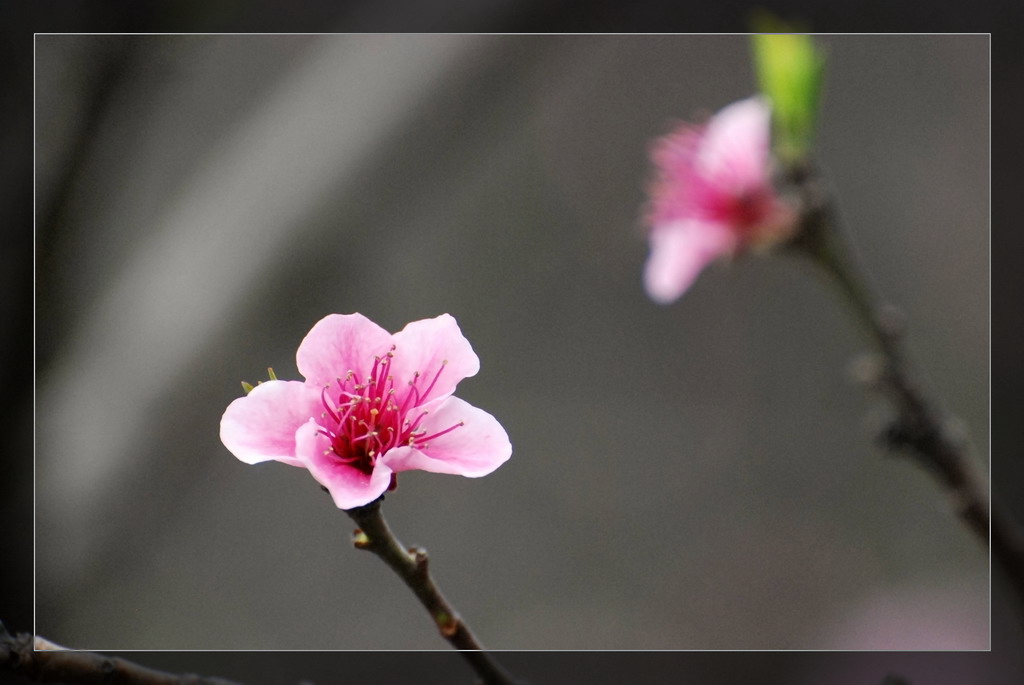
(679, 251)
(261, 426)
(339, 343)
(425, 346)
(734, 151)
(671, 193)
(349, 487)
(476, 448)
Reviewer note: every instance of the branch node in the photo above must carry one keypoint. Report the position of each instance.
(446, 623)
(419, 557)
(891, 321)
(867, 369)
(360, 540)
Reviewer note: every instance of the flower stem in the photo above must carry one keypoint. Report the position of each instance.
(410, 564)
(919, 428)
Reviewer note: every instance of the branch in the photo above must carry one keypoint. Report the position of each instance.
(919, 428)
(40, 661)
(375, 536)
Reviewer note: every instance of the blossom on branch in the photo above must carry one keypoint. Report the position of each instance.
(712, 196)
(373, 404)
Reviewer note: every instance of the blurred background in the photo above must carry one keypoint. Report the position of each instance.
(697, 476)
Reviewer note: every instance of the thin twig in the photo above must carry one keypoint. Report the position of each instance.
(375, 536)
(919, 428)
(38, 660)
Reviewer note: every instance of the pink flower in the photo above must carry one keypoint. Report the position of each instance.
(373, 404)
(712, 196)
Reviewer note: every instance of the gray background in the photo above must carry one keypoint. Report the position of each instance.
(686, 477)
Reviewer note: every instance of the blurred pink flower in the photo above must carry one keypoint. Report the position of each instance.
(372, 404)
(712, 196)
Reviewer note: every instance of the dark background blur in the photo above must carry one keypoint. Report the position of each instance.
(690, 477)
(693, 477)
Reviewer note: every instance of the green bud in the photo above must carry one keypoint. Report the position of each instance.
(790, 69)
(249, 386)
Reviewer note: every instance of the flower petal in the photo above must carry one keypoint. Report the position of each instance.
(349, 487)
(261, 426)
(476, 448)
(679, 251)
(734, 151)
(430, 346)
(339, 343)
(672, 193)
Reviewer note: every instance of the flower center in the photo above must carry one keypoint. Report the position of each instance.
(365, 419)
(750, 208)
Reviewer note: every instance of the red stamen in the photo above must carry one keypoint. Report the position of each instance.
(368, 419)
(440, 433)
(426, 392)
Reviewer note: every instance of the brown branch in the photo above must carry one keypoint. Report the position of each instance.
(919, 428)
(37, 660)
(375, 536)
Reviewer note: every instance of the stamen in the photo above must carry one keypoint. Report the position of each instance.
(440, 433)
(369, 419)
(380, 373)
(370, 434)
(416, 424)
(349, 408)
(408, 396)
(413, 389)
(327, 406)
(436, 376)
